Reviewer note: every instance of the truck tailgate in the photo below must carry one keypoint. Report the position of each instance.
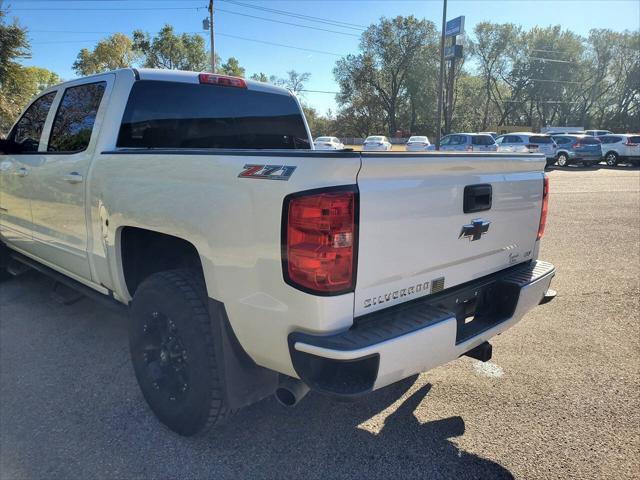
(416, 239)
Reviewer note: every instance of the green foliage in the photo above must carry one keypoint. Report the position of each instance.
(111, 53)
(232, 67)
(543, 76)
(382, 72)
(171, 51)
(17, 83)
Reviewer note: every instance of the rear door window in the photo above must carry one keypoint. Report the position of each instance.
(75, 117)
(28, 130)
(590, 141)
(563, 140)
(540, 139)
(610, 139)
(635, 139)
(184, 115)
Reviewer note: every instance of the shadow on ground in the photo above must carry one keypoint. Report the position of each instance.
(70, 408)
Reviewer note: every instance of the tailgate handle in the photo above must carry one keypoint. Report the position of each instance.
(477, 198)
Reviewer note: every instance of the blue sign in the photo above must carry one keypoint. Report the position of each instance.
(454, 27)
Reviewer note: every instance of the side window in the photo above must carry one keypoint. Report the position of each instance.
(562, 140)
(499, 140)
(29, 128)
(75, 117)
(446, 140)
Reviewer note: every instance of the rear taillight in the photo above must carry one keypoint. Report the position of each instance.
(469, 148)
(531, 146)
(221, 80)
(631, 144)
(320, 244)
(545, 207)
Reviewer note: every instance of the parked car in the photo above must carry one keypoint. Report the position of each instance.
(597, 133)
(493, 134)
(528, 142)
(573, 149)
(621, 148)
(233, 247)
(328, 143)
(418, 143)
(468, 142)
(376, 142)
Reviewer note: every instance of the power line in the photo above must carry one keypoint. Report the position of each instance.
(551, 60)
(100, 9)
(554, 81)
(280, 45)
(319, 91)
(254, 40)
(286, 23)
(337, 23)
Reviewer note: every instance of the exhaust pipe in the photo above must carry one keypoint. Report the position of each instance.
(290, 391)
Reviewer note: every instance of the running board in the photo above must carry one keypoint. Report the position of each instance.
(58, 277)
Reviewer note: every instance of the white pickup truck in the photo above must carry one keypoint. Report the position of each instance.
(251, 264)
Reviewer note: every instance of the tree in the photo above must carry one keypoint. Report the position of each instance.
(13, 45)
(17, 83)
(294, 81)
(494, 47)
(232, 67)
(171, 51)
(388, 53)
(111, 53)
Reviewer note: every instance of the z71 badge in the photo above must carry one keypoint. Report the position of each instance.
(267, 172)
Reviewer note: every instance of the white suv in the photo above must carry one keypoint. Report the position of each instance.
(528, 142)
(597, 133)
(620, 148)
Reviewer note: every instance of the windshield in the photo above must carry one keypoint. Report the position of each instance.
(418, 139)
(374, 139)
(323, 139)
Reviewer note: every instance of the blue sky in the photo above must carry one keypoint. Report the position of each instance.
(59, 29)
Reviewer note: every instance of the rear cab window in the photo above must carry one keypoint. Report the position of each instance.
(162, 114)
(73, 123)
(28, 130)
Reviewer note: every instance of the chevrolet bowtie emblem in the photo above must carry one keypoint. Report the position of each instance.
(475, 229)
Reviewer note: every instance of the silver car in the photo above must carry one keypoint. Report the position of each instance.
(418, 143)
(468, 142)
(376, 142)
(328, 143)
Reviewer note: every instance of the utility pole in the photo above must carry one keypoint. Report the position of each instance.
(444, 25)
(450, 84)
(213, 48)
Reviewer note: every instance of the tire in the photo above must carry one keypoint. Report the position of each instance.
(173, 354)
(563, 159)
(4, 263)
(612, 159)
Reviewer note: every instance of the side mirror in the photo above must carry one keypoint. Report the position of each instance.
(9, 146)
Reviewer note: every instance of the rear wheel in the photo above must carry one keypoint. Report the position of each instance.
(612, 159)
(4, 263)
(172, 350)
(563, 159)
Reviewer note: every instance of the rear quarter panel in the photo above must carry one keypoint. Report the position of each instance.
(234, 223)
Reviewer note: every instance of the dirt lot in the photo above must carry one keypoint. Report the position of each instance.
(561, 398)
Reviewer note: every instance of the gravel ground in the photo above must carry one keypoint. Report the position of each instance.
(560, 398)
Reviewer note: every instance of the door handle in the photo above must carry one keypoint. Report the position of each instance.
(73, 177)
(22, 172)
